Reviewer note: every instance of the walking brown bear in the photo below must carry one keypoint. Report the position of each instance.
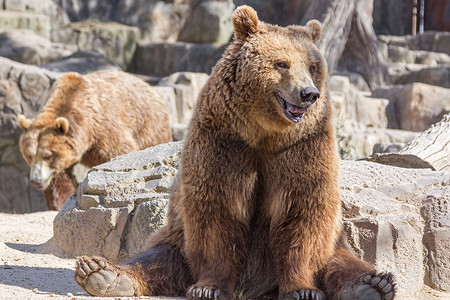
(255, 211)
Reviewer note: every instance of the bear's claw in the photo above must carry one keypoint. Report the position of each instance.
(370, 287)
(304, 294)
(101, 278)
(203, 293)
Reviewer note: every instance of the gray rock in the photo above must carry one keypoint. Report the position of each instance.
(436, 214)
(115, 41)
(416, 106)
(357, 141)
(431, 41)
(350, 103)
(209, 22)
(129, 195)
(82, 62)
(429, 150)
(23, 9)
(439, 76)
(158, 20)
(381, 206)
(38, 23)
(181, 90)
(169, 58)
(29, 48)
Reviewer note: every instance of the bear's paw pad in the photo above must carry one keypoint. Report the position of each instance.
(204, 293)
(304, 294)
(101, 278)
(370, 287)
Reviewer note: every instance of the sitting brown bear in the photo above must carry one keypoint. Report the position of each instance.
(89, 119)
(255, 212)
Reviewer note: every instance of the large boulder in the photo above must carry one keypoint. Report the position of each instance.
(209, 22)
(115, 41)
(353, 104)
(180, 92)
(27, 47)
(358, 141)
(44, 17)
(82, 62)
(38, 23)
(127, 197)
(158, 20)
(169, 58)
(416, 106)
(439, 75)
(387, 212)
(390, 214)
(429, 150)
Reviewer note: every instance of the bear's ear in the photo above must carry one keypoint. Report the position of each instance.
(24, 123)
(62, 124)
(315, 29)
(245, 22)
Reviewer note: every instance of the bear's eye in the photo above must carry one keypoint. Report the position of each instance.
(46, 155)
(282, 65)
(312, 69)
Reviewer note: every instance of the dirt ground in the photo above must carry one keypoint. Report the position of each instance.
(32, 267)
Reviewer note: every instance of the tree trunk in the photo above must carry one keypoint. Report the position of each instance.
(348, 38)
(431, 149)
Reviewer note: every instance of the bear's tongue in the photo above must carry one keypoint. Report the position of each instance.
(295, 110)
(292, 112)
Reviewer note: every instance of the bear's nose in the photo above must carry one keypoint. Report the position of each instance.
(310, 95)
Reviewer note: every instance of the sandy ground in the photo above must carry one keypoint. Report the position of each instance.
(32, 267)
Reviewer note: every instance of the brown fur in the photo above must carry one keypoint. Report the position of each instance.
(91, 119)
(256, 207)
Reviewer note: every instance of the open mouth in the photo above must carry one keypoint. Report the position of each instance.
(292, 112)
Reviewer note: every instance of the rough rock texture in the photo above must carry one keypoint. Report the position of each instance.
(209, 22)
(27, 47)
(115, 41)
(44, 17)
(362, 120)
(357, 141)
(416, 106)
(390, 214)
(420, 58)
(351, 103)
(439, 76)
(431, 149)
(125, 197)
(387, 210)
(82, 62)
(180, 92)
(168, 58)
(158, 20)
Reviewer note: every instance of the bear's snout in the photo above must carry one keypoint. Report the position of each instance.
(309, 95)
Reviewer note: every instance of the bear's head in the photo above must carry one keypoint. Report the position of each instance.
(280, 70)
(47, 147)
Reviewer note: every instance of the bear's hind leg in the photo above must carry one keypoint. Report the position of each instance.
(159, 271)
(346, 277)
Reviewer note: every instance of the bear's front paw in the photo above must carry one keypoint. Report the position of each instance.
(204, 293)
(370, 287)
(303, 294)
